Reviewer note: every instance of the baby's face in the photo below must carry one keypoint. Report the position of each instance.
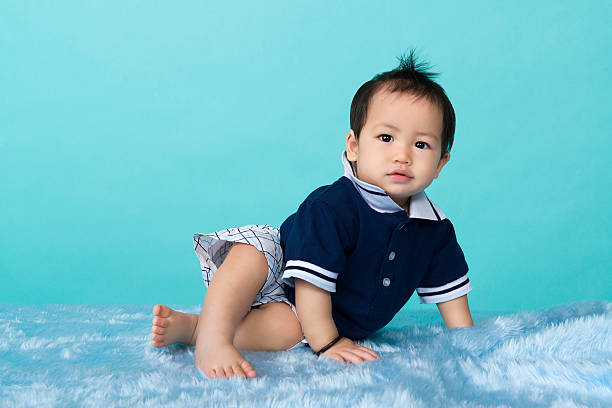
(401, 134)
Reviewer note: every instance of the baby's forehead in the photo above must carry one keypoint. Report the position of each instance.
(381, 106)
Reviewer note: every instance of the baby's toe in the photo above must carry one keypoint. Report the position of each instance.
(161, 322)
(158, 330)
(238, 371)
(161, 311)
(229, 371)
(248, 369)
(218, 372)
(157, 344)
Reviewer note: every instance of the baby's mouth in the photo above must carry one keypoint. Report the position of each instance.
(400, 172)
(399, 177)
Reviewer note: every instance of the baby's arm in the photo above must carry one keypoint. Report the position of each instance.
(314, 308)
(456, 312)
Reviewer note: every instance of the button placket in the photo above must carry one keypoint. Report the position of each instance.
(387, 281)
(386, 295)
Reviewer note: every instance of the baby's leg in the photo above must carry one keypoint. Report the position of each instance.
(227, 301)
(271, 327)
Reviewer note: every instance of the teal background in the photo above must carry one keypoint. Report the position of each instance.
(126, 127)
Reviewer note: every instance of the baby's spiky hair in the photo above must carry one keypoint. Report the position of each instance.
(409, 68)
(410, 77)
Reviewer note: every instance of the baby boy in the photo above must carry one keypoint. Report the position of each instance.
(350, 257)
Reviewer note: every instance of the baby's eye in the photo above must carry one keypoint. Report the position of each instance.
(423, 143)
(385, 138)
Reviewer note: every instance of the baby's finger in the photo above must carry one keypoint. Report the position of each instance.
(351, 356)
(334, 356)
(367, 355)
(363, 354)
(370, 352)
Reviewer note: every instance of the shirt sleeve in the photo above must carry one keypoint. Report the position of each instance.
(316, 246)
(446, 278)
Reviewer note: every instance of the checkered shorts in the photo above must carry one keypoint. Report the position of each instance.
(213, 248)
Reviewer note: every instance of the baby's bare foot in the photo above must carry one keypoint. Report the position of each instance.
(223, 361)
(172, 327)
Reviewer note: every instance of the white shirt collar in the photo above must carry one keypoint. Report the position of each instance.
(378, 200)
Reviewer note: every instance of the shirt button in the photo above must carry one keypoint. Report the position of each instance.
(391, 255)
(386, 282)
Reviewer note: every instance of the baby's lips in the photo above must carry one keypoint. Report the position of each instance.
(399, 172)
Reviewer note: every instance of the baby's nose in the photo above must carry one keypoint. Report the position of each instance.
(403, 156)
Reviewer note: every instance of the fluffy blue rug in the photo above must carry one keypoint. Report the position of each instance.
(86, 356)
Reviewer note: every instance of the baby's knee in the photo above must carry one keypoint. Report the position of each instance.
(247, 253)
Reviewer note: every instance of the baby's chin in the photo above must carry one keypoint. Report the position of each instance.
(398, 192)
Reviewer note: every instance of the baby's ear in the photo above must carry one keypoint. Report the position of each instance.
(352, 145)
(442, 163)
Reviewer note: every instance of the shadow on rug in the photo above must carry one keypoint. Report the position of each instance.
(81, 356)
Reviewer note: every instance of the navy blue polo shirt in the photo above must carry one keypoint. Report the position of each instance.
(351, 239)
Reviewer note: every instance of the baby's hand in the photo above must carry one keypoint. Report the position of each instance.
(347, 351)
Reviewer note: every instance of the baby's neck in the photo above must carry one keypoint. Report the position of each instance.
(404, 204)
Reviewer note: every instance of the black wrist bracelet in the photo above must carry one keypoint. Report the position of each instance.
(324, 349)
